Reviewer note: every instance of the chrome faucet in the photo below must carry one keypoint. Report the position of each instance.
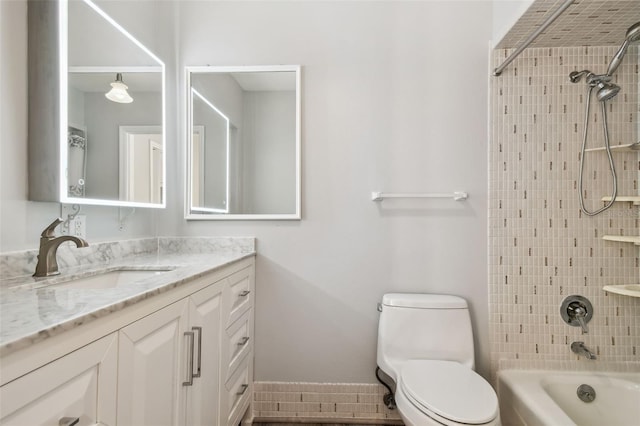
(579, 313)
(580, 349)
(49, 243)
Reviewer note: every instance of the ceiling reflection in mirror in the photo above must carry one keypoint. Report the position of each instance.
(104, 164)
(243, 142)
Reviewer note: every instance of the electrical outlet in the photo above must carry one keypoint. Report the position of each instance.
(78, 226)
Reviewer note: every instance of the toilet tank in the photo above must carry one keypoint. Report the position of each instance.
(423, 326)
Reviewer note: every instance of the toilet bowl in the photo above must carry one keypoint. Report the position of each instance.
(425, 344)
(444, 393)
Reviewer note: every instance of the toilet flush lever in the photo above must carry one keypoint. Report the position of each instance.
(379, 307)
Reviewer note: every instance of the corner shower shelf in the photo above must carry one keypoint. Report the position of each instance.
(632, 290)
(635, 199)
(621, 148)
(622, 239)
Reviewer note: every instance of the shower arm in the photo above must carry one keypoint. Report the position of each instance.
(532, 37)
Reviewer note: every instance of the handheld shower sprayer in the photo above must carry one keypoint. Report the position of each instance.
(605, 91)
(633, 35)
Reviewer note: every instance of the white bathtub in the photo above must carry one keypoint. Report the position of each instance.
(550, 398)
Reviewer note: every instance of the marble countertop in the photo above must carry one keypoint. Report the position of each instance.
(33, 309)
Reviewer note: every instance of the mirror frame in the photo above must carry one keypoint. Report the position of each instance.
(191, 214)
(48, 102)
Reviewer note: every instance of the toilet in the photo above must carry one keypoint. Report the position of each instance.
(425, 344)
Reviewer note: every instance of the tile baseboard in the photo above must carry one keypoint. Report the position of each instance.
(321, 403)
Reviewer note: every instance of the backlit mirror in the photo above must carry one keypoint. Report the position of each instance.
(243, 142)
(108, 107)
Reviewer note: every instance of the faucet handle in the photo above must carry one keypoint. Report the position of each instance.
(49, 231)
(579, 314)
(577, 311)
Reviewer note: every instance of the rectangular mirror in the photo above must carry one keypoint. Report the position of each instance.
(101, 92)
(243, 142)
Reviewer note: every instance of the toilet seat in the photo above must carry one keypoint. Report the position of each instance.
(449, 392)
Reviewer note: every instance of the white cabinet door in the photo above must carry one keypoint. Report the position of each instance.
(151, 368)
(205, 317)
(81, 384)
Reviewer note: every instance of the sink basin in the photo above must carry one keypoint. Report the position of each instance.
(112, 279)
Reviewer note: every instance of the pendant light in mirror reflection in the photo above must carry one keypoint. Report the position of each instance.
(118, 92)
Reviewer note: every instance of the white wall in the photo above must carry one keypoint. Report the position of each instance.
(269, 142)
(394, 99)
(22, 221)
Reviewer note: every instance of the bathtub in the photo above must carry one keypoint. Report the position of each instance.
(549, 398)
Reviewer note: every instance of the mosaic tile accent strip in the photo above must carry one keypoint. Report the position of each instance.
(310, 424)
(340, 402)
(584, 23)
(541, 247)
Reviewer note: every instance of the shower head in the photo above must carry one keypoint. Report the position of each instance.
(633, 35)
(607, 91)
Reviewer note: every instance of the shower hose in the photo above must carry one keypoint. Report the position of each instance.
(608, 149)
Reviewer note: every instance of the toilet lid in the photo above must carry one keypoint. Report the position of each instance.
(450, 390)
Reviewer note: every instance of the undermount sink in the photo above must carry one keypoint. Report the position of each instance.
(112, 278)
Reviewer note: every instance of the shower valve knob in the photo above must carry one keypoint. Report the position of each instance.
(577, 311)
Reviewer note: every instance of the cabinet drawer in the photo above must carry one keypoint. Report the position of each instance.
(240, 342)
(241, 293)
(238, 391)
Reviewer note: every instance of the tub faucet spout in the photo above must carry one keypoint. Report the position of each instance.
(49, 243)
(580, 349)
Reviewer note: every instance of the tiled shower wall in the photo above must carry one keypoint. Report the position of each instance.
(541, 247)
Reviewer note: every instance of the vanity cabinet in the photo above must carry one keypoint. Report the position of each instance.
(149, 368)
(184, 357)
(237, 349)
(169, 363)
(203, 396)
(79, 385)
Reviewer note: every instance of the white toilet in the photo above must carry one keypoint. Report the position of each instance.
(425, 344)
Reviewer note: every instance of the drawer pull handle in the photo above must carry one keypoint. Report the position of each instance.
(199, 364)
(68, 421)
(189, 381)
(242, 390)
(243, 341)
(244, 293)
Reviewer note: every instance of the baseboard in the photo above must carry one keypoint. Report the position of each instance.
(277, 421)
(299, 402)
